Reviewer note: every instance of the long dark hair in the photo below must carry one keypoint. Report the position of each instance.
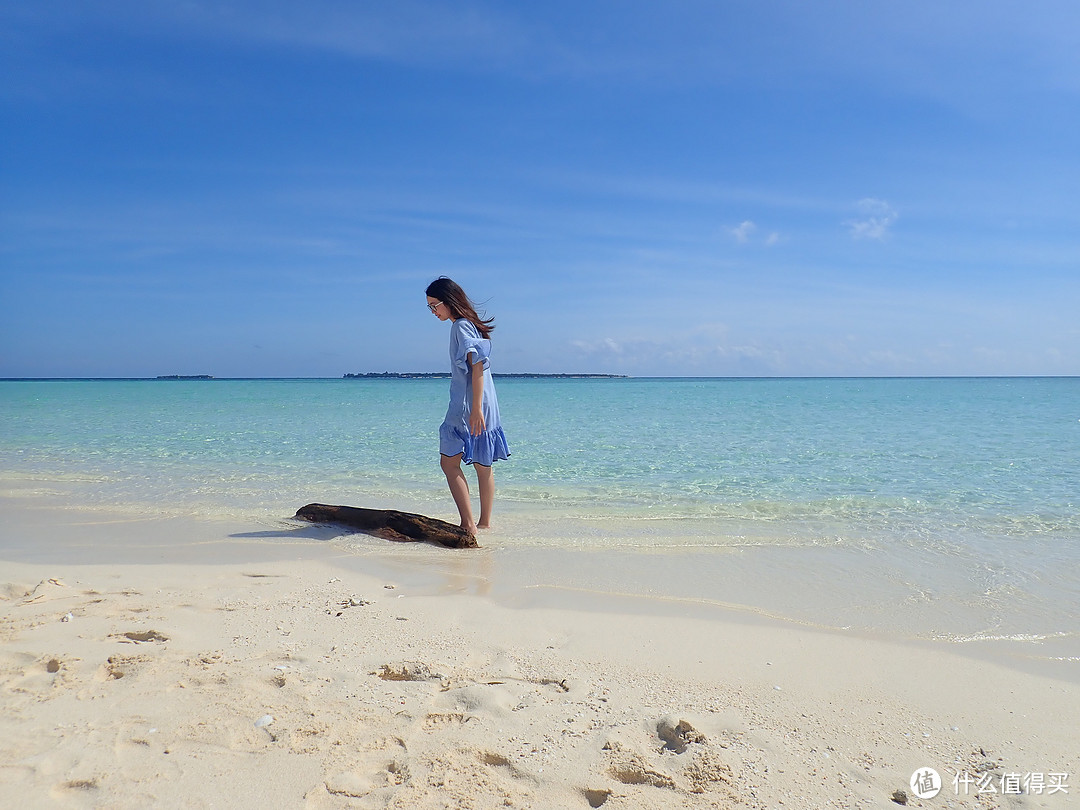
(450, 293)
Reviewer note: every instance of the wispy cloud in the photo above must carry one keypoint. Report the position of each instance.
(674, 189)
(704, 349)
(960, 54)
(406, 30)
(409, 31)
(743, 230)
(876, 218)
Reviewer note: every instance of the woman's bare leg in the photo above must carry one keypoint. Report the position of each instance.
(485, 480)
(459, 489)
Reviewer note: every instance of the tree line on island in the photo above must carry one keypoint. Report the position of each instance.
(442, 375)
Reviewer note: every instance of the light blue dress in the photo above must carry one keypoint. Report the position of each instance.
(466, 346)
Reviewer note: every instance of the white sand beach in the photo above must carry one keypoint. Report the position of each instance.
(291, 680)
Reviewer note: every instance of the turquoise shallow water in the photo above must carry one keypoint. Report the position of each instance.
(950, 506)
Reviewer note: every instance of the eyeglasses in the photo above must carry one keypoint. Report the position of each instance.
(434, 306)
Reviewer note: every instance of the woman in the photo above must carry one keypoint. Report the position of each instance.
(472, 430)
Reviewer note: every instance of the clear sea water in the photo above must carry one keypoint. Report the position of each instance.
(935, 508)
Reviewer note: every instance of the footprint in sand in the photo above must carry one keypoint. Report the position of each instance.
(75, 787)
(677, 734)
(357, 784)
(494, 760)
(408, 671)
(596, 798)
(36, 676)
(707, 773)
(437, 721)
(140, 636)
(382, 769)
(120, 666)
(631, 768)
(692, 763)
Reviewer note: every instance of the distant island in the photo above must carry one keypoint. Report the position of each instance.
(445, 375)
(185, 377)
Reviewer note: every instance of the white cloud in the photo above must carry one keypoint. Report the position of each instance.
(706, 349)
(743, 230)
(409, 31)
(744, 234)
(876, 218)
(772, 44)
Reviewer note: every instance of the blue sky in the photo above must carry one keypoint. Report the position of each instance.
(264, 188)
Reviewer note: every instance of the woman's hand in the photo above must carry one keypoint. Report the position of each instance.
(476, 422)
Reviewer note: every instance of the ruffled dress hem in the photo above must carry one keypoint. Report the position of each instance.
(485, 449)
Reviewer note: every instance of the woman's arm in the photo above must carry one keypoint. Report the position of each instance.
(476, 412)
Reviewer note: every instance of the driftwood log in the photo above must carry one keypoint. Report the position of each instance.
(390, 524)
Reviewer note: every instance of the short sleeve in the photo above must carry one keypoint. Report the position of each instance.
(467, 341)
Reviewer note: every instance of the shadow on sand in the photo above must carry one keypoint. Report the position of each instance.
(303, 530)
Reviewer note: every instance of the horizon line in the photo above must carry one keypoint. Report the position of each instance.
(405, 375)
